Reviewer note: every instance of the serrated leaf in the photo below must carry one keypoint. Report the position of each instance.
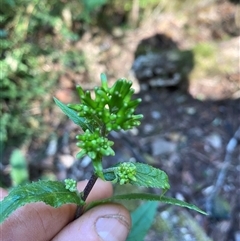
(109, 176)
(147, 197)
(52, 193)
(80, 121)
(137, 174)
(149, 176)
(142, 219)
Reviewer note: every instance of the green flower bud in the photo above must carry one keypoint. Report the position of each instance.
(122, 181)
(80, 91)
(71, 185)
(93, 143)
(104, 81)
(126, 172)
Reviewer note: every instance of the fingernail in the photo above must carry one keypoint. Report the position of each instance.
(112, 227)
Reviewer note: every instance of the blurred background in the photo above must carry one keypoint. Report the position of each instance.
(183, 60)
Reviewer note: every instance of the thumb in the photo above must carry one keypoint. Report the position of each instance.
(109, 222)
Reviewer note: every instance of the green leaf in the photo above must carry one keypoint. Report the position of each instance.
(149, 176)
(80, 121)
(137, 174)
(142, 219)
(19, 169)
(53, 193)
(147, 197)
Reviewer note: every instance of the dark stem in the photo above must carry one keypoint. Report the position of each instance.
(89, 186)
(85, 194)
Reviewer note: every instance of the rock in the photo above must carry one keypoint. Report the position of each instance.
(164, 69)
(52, 146)
(66, 160)
(214, 140)
(85, 161)
(191, 110)
(156, 115)
(161, 146)
(148, 128)
(159, 63)
(237, 236)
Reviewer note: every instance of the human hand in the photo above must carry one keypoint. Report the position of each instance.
(41, 222)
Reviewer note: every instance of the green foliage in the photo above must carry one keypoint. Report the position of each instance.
(22, 80)
(21, 84)
(34, 34)
(91, 6)
(53, 193)
(19, 169)
(139, 174)
(142, 219)
(112, 108)
(80, 121)
(146, 197)
(74, 60)
(28, 33)
(205, 55)
(143, 4)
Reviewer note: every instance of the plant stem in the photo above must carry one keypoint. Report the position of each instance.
(86, 192)
(89, 186)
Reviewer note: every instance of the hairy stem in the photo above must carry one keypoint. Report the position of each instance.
(86, 192)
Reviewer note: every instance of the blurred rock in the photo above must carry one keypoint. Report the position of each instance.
(159, 63)
(148, 128)
(66, 160)
(161, 146)
(237, 236)
(156, 114)
(52, 146)
(85, 161)
(214, 140)
(190, 110)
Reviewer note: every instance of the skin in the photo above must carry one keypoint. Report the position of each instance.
(40, 222)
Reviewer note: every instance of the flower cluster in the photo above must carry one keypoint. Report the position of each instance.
(112, 108)
(71, 185)
(92, 144)
(126, 172)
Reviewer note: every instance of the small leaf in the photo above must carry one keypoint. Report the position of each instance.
(142, 219)
(80, 121)
(52, 193)
(147, 197)
(109, 176)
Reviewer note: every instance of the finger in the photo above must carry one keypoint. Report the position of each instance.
(100, 190)
(38, 221)
(3, 193)
(109, 222)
